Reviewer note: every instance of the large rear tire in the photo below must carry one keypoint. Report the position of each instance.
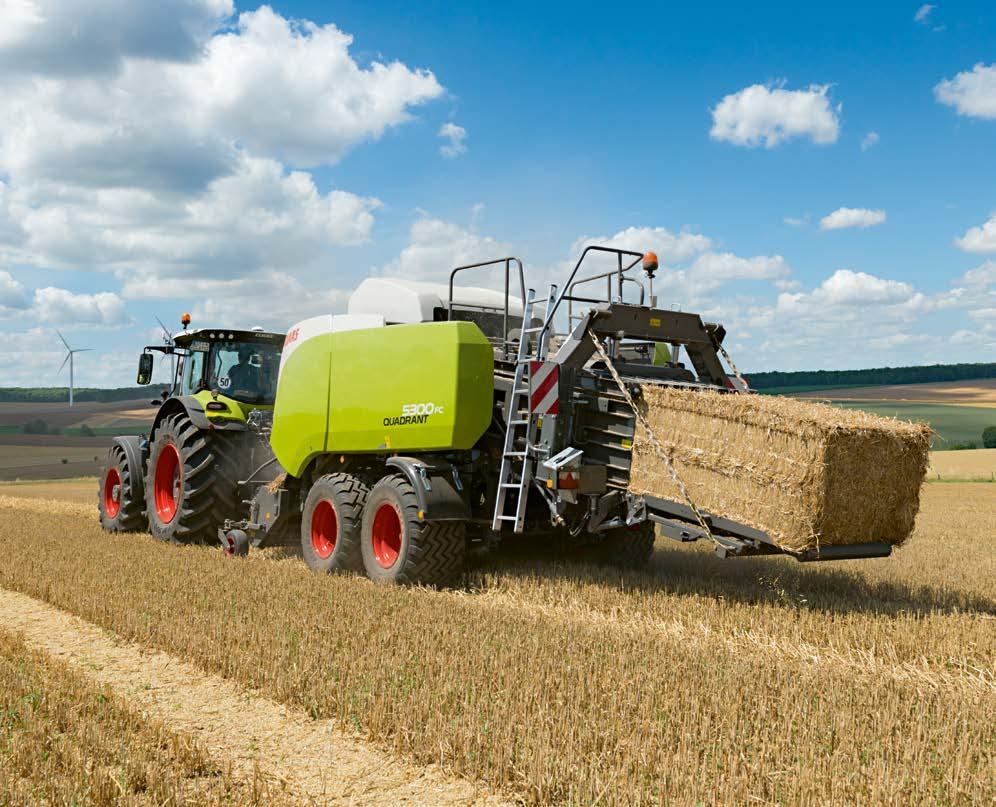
(399, 548)
(629, 547)
(330, 524)
(192, 484)
(120, 498)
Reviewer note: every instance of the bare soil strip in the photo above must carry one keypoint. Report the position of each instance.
(311, 759)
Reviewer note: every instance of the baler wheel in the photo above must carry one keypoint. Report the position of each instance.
(192, 482)
(399, 547)
(330, 524)
(236, 544)
(121, 509)
(629, 547)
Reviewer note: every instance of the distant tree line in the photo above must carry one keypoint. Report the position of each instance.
(61, 394)
(879, 375)
(988, 441)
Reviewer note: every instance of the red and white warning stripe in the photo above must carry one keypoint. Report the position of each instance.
(544, 388)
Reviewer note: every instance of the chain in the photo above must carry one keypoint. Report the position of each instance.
(729, 361)
(661, 453)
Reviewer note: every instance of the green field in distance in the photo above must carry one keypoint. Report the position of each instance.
(953, 423)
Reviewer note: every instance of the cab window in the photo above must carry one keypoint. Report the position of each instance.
(245, 371)
(193, 373)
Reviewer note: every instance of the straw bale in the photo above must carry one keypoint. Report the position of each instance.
(804, 472)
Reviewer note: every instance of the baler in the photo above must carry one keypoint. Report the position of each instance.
(433, 421)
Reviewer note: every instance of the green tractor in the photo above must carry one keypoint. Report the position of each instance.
(183, 480)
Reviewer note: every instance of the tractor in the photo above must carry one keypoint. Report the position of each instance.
(181, 481)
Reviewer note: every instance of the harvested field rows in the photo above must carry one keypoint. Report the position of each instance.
(973, 393)
(68, 741)
(262, 743)
(699, 681)
(979, 463)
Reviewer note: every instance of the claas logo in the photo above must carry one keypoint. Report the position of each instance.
(292, 336)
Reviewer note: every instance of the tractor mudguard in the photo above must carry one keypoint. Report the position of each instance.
(195, 411)
(438, 488)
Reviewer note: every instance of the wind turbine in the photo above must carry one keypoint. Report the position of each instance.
(168, 340)
(69, 358)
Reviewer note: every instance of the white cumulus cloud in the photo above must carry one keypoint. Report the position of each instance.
(670, 247)
(436, 247)
(455, 137)
(844, 217)
(12, 295)
(971, 93)
(981, 239)
(770, 115)
(62, 307)
(923, 13)
(63, 37)
(983, 275)
(167, 143)
(869, 140)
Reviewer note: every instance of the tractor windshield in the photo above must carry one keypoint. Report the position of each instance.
(245, 371)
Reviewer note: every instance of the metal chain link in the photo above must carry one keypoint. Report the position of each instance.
(736, 372)
(661, 453)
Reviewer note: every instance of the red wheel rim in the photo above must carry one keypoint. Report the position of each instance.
(112, 493)
(167, 483)
(386, 535)
(324, 529)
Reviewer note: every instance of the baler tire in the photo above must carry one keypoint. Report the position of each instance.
(126, 513)
(208, 481)
(330, 524)
(628, 547)
(402, 549)
(236, 544)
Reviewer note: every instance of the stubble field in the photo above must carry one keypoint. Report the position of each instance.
(698, 681)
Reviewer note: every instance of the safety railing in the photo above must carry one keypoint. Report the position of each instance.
(506, 343)
(566, 292)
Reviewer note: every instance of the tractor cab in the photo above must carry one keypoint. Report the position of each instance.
(239, 365)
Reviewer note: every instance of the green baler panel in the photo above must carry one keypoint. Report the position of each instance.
(401, 388)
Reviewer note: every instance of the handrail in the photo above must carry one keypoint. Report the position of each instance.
(508, 268)
(572, 299)
(620, 271)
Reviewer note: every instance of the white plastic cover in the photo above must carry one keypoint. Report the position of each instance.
(407, 301)
(306, 329)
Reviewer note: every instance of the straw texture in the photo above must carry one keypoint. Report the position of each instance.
(804, 472)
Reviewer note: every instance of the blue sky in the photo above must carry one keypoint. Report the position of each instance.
(252, 164)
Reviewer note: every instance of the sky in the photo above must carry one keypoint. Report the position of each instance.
(821, 180)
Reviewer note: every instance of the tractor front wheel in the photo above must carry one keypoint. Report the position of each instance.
(330, 524)
(398, 547)
(120, 499)
(192, 482)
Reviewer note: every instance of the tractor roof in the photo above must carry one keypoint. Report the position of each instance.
(228, 334)
(405, 301)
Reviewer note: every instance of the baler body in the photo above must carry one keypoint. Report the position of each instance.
(396, 389)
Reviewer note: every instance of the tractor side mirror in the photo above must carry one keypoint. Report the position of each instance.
(144, 369)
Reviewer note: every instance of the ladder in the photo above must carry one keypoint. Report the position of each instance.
(516, 467)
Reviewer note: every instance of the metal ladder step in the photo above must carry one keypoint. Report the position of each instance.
(521, 425)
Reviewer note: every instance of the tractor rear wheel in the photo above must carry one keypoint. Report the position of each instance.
(330, 524)
(629, 547)
(398, 547)
(192, 483)
(120, 499)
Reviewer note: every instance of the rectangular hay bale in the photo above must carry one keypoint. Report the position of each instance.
(806, 473)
